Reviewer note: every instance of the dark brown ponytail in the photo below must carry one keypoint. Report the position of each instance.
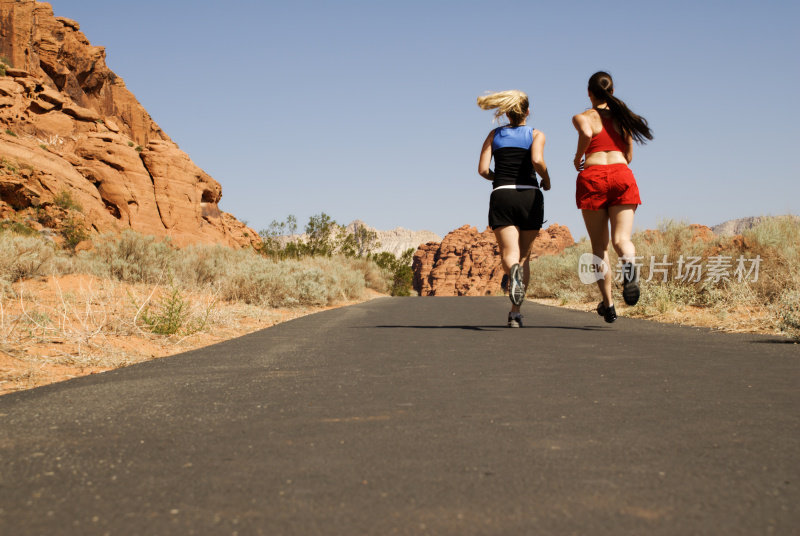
(601, 87)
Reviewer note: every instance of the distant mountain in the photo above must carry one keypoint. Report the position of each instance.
(397, 240)
(738, 226)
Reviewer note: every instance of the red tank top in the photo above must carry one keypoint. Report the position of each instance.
(608, 139)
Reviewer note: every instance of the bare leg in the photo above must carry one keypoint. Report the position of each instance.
(515, 246)
(597, 226)
(526, 239)
(621, 218)
(508, 238)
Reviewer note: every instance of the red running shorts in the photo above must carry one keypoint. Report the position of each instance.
(600, 187)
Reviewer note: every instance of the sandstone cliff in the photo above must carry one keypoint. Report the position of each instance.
(69, 124)
(467, 263)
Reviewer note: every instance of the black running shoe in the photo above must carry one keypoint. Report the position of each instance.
(516, 291)
(514, 320)
(630, 283)
(608, 313)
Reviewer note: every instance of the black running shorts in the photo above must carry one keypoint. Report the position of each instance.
(520, 208)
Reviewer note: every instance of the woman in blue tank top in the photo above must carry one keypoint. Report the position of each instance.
(516, 206)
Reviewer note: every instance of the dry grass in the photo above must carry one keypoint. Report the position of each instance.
(738, 302)
(135, 298)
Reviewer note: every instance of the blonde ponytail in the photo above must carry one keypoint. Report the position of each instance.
(513, 103)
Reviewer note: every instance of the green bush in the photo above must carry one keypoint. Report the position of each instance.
(398, 269)
(64, 200)
(172, 315)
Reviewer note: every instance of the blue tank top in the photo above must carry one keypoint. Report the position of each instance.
(511, 150)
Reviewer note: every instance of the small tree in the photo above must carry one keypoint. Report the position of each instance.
(275, 243)
(322, 235)
(400, 269)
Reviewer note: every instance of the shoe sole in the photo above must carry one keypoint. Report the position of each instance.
(517, 289)
(630, 290)
(631, 293)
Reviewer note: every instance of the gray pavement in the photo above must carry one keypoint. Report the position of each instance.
(419, 416)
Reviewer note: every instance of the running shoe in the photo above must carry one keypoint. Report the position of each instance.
(514, 320)
(516, 290)
(608, 313)
(630, 283)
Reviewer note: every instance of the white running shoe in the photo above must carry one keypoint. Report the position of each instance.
(516, 290)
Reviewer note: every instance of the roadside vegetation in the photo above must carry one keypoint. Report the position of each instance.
(749, 282)
(70, 300)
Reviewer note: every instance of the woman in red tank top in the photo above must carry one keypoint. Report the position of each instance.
(606, 190)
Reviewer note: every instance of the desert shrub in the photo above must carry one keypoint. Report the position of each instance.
(73, 231)
(173, 315)
(398, 271)
(787, 312)
(763, 271)
(18, 227)
(24, 256)
(204, 266)
(130, 257)
(64, 200)
(556, 276)
(375, 277)
(781, 233)
(315, 281)
(170, 314)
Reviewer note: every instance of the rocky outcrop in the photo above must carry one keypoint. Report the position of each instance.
(467, 263)
(69, 124)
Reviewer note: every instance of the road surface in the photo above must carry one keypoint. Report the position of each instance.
(419, 416)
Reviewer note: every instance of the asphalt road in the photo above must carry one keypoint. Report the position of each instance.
(419, 416)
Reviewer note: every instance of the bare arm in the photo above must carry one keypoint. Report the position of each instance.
(584, 128)
(537, 158)
(486, 158)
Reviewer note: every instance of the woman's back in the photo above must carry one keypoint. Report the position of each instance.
(607, 145)
(511, 149)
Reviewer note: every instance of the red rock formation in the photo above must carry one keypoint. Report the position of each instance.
(467, 263)
(68, 123)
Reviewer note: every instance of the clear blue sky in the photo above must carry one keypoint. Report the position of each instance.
(366, 109)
